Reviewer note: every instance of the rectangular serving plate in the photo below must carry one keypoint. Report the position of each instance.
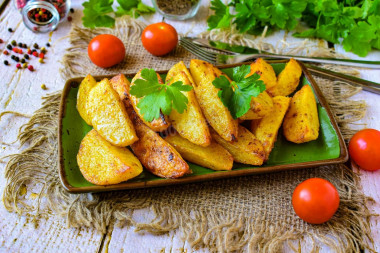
(329, 148)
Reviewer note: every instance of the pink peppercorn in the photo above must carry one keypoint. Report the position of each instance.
(18, 65)
(29, 51)
(35, 54)
(30, 67)
(5, 52)
(1, 41)
(42, 55)
(69, 18)
(15, 49)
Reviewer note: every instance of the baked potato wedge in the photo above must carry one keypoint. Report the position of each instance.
(84, 89)
(101, 163)
(157, 156)
(265, 71)
(301, 123)
(266, 129)
(287, 80)
(261, 106)
(214, 156)
(245, 149)
(158, 125)
(108, 115)
(213, 109)
(191, 124)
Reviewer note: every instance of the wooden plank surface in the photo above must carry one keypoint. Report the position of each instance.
(20, 91)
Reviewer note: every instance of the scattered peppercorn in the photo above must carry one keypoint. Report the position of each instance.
(35, 45)
(29, 51)
(30, 67)
(41, 55)
(17, 59)
(13, 57)
(14, 43)
(5, 52)
(23, 60)
(26, 56)
(43, 50)
(20, 51)
(35, 54)
(10, 30)
(15, 49)
(48, 44)
(19, 44)
(43, 86)
(9, 47)
(71, 10)
(69, 18)
(41, 60)
(1, 41)
(34, 50)
(18, 65)
(25, 65)
(6, 63)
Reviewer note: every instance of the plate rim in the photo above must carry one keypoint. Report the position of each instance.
(343, 156)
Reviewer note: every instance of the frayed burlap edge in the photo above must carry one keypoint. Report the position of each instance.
(219, 232)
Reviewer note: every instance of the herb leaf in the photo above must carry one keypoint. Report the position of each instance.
(133, 8)
(222, 17)
(95, 13)
(156, 97)
(237, 95)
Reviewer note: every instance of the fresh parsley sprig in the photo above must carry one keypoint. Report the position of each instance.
(99, 13)
(157, 97)
(237, 95)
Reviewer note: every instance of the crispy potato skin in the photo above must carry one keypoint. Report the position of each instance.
(157, 156)
(265, 71)
(213, 109)
(214, 156)
(158, 125)
(101, 163)
(287, 80)
(266, 129)
(108, 115)
(246, 149)
(261, 106)
(301, 123)
(191, 124)
(84, 89)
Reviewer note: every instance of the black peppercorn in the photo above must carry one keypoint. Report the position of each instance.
(35, 45)
(6, 62)
(48, 44)
(19, 44)
(71, 10)
(23, 60)
(26, 56)
(17, 59)
(10, 30)
(14, 43)
(9, 47)
(24, 46)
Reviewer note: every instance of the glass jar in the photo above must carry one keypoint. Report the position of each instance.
(177, 9)
(43, 15)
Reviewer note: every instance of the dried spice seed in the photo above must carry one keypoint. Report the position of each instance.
(13, 57)
(48, 44)
(35, 45)
(17, 59)
(22, 60)
(6, 63)
(5, 52)
(14, 43)
(71, 10)
(35, 54)
(19, 44)
(26, 56)
(18, 65)
(29, 51)
(10, 30)
(9, 47)
(25, 65)
(41, 55)
(41, 60)
(69, 18)
(30, 67)
(1, 41)
(43, 86)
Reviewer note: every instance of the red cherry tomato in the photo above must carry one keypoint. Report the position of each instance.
(364, 149)
(159, 38)
(106, 50)
(315, 200)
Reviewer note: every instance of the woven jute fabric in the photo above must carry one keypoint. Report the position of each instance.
(252, 213)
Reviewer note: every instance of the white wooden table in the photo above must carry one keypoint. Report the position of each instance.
(21, 91)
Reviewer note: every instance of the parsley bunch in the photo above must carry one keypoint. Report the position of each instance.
(237, 95)
(96, 12)
(156, 97)
(353, 23)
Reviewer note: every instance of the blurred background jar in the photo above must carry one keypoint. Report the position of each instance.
(43, 15)
(177, 9)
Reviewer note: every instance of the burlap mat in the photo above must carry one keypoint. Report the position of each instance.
(252, 213)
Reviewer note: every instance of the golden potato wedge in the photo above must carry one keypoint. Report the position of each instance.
(158, 125)
(121, 85)
(190, 124)
(157, 156)
(301, 123)
(287, 80)
(213, 109)
(261, 106)
(84, 89)
(265, 71)
(108, 115)
(266, 129)
(101, 163)
(214, 156)
(246, 149)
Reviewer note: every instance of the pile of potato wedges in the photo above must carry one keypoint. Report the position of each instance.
(121, 142)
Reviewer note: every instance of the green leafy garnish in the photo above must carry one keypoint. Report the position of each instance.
(156, 97)
(99, 13)
(237, 95)
(337, 21)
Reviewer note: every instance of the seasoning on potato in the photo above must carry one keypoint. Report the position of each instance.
(101, 163)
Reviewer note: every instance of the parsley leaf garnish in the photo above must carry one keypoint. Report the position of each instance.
(157, 97)
(237, 95)
(222, 17)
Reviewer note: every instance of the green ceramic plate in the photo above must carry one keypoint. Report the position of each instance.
(329, 148)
